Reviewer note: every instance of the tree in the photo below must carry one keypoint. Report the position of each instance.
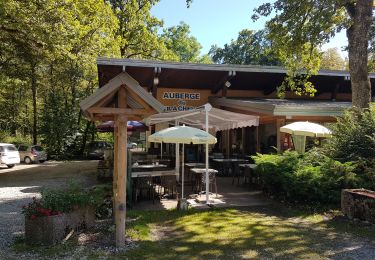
(178, 40)
(331, 60)
(250, 48)
(47, 65)
(138, 30)
(298, 28)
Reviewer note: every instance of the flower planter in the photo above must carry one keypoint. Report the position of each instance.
(49, 230)
(359, 204)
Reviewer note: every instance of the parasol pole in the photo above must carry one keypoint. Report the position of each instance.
(207, 108)
(177, 157)
(183, 171)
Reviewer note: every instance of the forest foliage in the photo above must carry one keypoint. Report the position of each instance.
(48, 52)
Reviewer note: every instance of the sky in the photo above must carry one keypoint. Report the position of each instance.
(219, 21)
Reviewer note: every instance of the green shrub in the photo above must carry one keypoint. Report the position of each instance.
(310, 178)
(6, 137)
(65, 200)
(353, 136)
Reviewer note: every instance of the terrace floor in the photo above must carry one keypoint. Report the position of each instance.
(228, 196)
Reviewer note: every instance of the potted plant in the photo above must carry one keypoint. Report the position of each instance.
(51, 218)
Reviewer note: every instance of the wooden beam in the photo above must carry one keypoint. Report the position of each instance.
(117, 111)
(99, 117)
(120, 198)
(139, 100)
(105, 101)
(121, 97)
(268, 91)
(220, 85)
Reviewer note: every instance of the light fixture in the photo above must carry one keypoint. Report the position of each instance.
(227, 84)
(156, 81)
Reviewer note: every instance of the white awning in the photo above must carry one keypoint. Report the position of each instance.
(218, 119)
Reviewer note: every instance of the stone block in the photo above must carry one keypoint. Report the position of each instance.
(358, 204)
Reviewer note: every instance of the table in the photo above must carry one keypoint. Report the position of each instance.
(200, 172)
(148, 167)
(227, 166)
(250, 165)
(150, 161)
(154, 173)
(230, 160)
(195, 165)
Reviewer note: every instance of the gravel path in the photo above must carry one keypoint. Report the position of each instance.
(20, 184)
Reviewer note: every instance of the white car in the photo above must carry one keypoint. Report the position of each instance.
(9, 155)
(132, 145)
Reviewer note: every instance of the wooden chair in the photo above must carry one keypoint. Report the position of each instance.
(248, 175)
(237, 173)
(169, 184)
(144, 183)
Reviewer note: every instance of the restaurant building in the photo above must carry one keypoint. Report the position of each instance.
(246, 89)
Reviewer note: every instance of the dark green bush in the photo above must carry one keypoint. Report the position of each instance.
(347, 160)
(66, 199)
(353, 136)
(309, 178)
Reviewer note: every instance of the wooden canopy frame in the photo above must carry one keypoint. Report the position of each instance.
(120, 100)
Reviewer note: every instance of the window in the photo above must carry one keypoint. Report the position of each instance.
(22, 148)
(38, 148)
(10, 148)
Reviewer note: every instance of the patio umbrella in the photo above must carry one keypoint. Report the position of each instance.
(183, 135)
(299, 131)
(132, 126)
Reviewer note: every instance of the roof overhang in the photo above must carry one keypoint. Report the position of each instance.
(284, 107)
(218, 119)
(209, 67)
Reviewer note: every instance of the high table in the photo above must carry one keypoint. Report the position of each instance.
(152, 181)
(227, 164)
(189, 166)
(250, 165)
(198, 172)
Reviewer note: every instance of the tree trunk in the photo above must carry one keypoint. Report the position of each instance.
(33, 90)
(358, 36)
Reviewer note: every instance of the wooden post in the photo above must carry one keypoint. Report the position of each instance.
(120, 200)
(122, 166)
(243, 141)
(115, 172)
(279, 123)
(257, 139)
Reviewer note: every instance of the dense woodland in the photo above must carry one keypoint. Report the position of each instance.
(48, 51)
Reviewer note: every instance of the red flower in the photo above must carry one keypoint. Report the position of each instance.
(33, 216)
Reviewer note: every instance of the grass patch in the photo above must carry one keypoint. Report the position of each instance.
(271, 232)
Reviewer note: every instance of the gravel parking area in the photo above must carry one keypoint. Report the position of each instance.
(19, 184)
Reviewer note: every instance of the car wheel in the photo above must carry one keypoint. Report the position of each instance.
(10, 165)
(41, 161)
(134, 146)
(28, 160)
